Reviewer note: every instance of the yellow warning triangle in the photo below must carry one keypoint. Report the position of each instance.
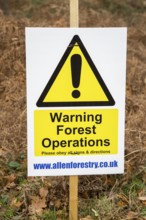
(75, 81)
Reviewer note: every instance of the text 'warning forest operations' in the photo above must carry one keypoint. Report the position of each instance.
(76, 132)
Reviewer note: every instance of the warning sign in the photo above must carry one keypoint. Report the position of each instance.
(75, 100)
(80, 132)
(76, 81)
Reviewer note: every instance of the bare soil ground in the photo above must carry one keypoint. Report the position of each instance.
(104, 197)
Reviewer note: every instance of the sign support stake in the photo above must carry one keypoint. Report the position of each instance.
(74, 13)
(73, 197)
(73, 180)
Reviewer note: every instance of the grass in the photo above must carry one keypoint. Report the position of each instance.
(99, 208)
(52, 215)
(6, 212)
(123, 7)
(49, 215)
(106, 205)
(113, 205)
(37, 2)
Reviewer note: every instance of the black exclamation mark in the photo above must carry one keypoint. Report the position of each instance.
(76, 63)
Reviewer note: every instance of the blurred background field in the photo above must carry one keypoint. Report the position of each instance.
(106, 197)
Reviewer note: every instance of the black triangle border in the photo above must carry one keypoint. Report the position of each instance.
(110, 102)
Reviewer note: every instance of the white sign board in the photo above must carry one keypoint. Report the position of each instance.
(75, 100)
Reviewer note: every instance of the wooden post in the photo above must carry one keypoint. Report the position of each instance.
(74, 13)
(73, 180)
(73, 198)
